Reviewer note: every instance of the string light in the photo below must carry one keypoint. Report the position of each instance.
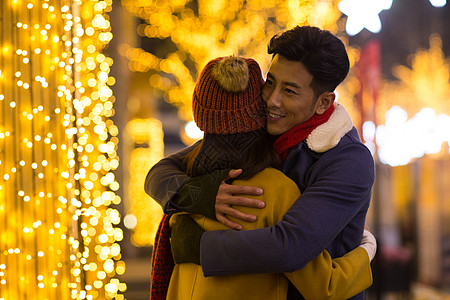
(59, 228)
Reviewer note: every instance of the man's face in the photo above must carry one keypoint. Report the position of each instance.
(289, 97)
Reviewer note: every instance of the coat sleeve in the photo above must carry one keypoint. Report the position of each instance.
(340, 192)
(324, 278)
(165, 178)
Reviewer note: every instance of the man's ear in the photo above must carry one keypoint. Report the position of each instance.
(324, 101)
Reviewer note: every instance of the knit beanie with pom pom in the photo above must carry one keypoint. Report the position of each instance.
(227, 96)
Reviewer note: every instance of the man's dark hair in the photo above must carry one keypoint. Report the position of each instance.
(320, 51)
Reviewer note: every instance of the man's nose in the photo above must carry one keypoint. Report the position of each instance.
(273, 98)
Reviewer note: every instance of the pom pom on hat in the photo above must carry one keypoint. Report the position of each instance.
(231, 74)
(227, 96)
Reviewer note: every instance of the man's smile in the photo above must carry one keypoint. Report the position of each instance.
(274, 116)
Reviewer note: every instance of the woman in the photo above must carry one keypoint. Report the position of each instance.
(228, 108)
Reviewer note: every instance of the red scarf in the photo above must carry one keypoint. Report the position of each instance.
(162, 261)
(294, 136)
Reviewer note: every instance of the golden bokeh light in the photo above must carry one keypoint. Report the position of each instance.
(424, 83)
(57, 153)
(212, 29)
(147, 134)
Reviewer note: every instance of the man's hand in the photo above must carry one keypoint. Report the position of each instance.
(225, 200)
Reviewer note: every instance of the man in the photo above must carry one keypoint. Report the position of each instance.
(321, 152)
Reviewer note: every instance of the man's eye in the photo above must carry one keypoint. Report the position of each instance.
(289, 91)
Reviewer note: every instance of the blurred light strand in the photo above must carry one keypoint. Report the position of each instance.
(59, 236)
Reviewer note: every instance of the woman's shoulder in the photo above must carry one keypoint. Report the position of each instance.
(271, 172)
(280, 192)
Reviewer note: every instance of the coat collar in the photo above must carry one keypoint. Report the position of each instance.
(328, 135)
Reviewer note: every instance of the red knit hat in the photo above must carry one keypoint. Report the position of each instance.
(227, 96)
